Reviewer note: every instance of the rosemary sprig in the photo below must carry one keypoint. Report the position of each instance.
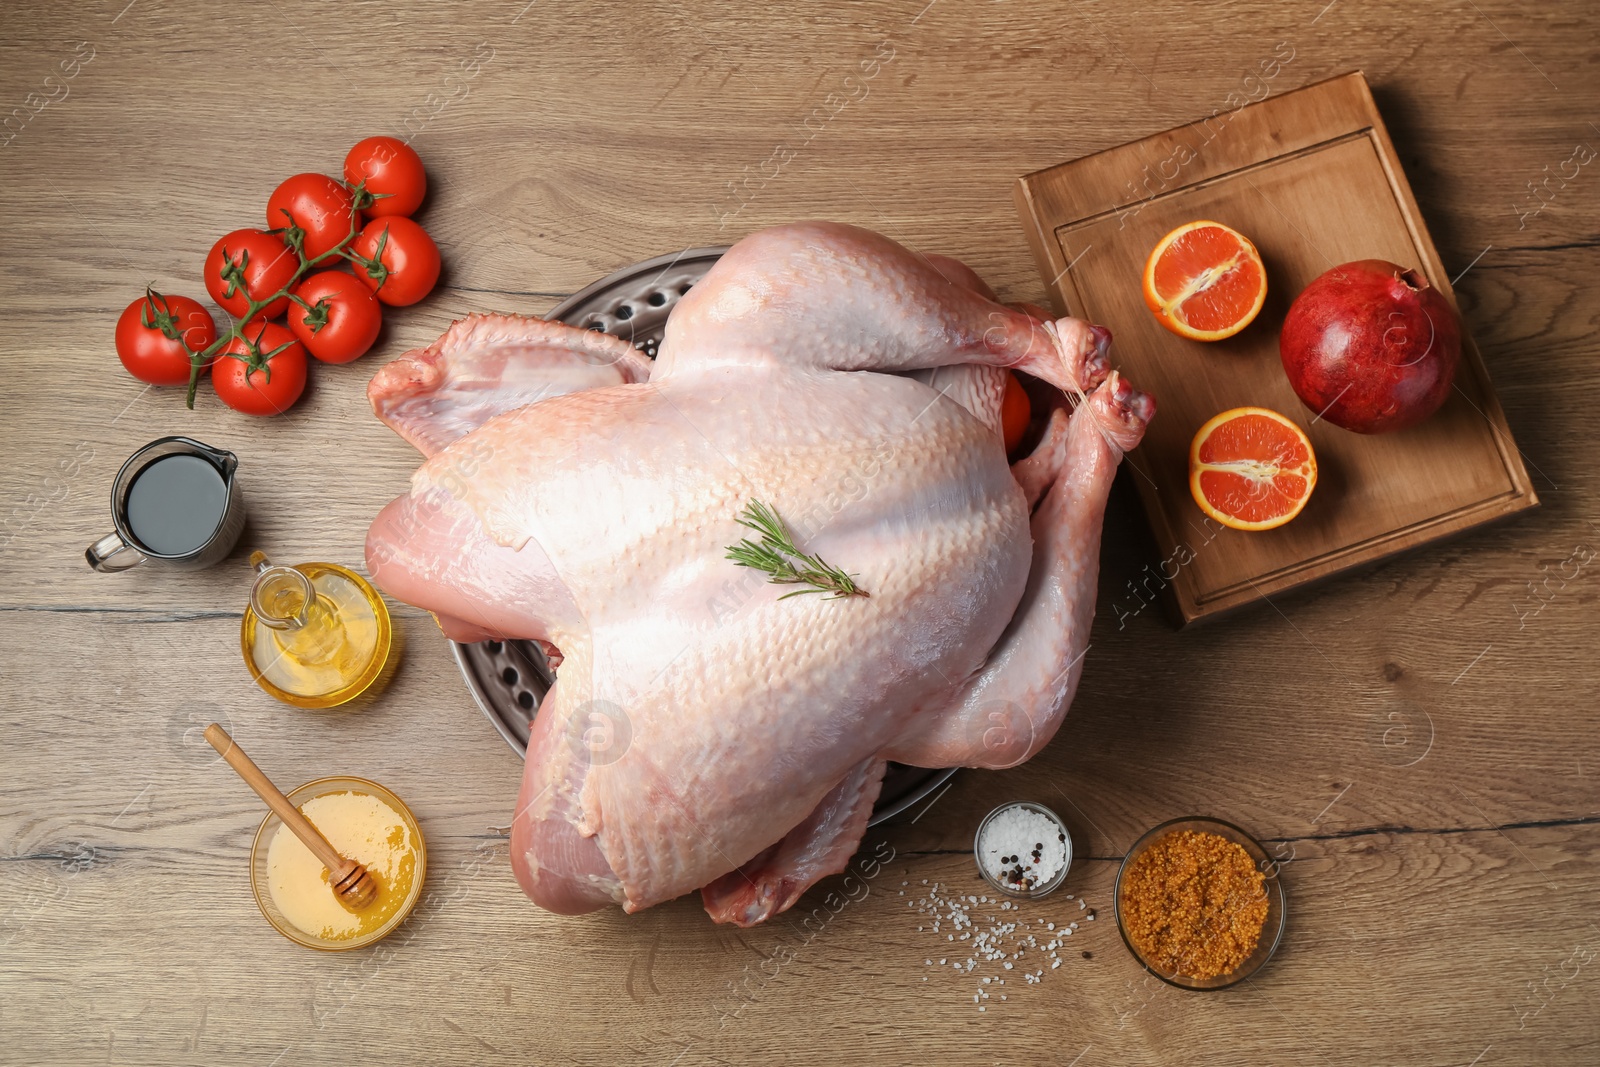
(777, 555)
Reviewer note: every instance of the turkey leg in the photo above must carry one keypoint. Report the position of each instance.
(1008, 710)
(836, 297)
(821, 845)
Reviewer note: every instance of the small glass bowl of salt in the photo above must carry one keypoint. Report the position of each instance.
(1023, 849)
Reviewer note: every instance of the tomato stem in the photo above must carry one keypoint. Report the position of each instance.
(361, 196)
(316, 317)
(233, 274)
(162, 319)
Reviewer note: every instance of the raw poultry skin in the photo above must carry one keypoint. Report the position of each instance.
(702, 733)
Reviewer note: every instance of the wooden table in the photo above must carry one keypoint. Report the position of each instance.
(1416, 742)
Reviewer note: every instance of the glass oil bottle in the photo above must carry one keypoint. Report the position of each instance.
(315, 635)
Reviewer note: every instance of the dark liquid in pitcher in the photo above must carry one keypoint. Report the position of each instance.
(176, 503)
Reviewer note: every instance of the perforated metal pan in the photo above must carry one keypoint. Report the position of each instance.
(508, 679)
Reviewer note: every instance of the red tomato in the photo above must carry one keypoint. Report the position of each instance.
(263, 261)
(156, 333)
(317, 204)
(405, 257)
(271, 390)
(392, 171)
(1015, 412)
(343, 320)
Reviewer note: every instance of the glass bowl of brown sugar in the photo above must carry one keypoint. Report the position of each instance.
(1199, 903)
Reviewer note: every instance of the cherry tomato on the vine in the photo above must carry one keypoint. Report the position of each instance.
(320, 206)
(406, 257)
(145, 344)
(271, 390)
(343, 319)
(260, 260)
(392, 171)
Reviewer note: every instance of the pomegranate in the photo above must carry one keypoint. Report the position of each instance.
(1371, 346)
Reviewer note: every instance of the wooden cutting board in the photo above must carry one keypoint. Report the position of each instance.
(1312, 178)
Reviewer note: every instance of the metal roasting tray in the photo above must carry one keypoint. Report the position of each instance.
(509, 679)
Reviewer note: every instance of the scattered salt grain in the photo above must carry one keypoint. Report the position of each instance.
(992, 939)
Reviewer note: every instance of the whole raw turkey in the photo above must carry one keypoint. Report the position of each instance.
(703, 733)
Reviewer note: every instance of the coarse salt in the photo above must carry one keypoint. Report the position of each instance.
(993, 939)
(1021, 848)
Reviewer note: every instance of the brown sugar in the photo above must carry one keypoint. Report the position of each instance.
(1194, 904)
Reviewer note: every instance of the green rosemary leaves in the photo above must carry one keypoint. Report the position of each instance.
(781, 560)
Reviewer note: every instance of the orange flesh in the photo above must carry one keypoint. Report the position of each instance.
(1249, 499)
(1015, 412)
(1221, 277)
(1255, 469)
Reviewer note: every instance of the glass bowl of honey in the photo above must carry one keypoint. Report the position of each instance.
(364, 822)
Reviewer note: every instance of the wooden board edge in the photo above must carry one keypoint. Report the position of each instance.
(1444, 528)
(1422, 238)
(1034, 231)
(1358, 94)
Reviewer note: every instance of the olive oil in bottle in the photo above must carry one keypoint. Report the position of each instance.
(315, 635)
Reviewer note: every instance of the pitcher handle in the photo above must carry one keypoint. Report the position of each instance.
(111, 553)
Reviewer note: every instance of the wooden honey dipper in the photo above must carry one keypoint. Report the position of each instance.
(351, 882)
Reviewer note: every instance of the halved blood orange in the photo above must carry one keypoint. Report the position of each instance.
(1251, 469)
(1205, 281)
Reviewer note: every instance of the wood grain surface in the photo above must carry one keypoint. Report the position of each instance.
(1415, 740)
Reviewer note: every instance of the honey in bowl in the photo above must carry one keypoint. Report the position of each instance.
(361, 827)
(363, 822)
